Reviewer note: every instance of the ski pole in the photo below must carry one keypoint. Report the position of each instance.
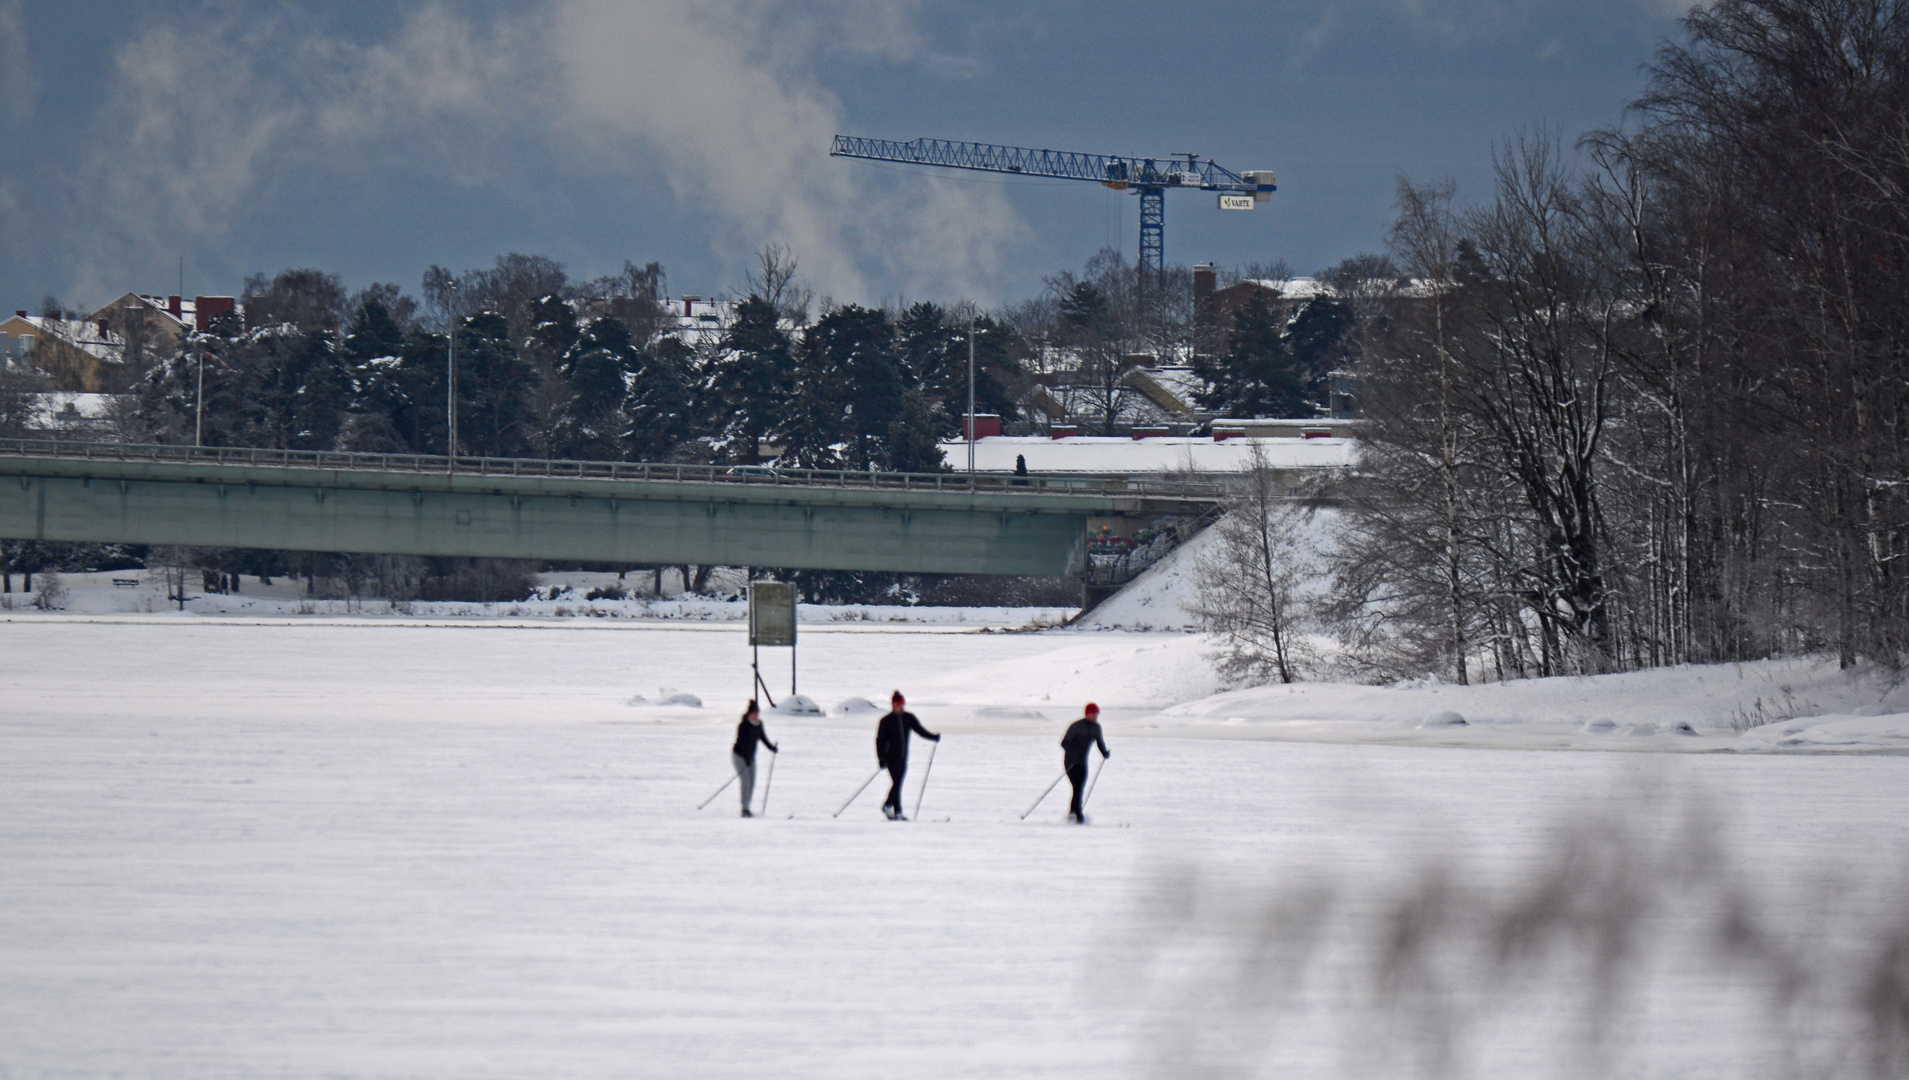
(773, 755)
(923, 793)
(1050, 787)
(1091, 783)
(718, 791)
(859, 790)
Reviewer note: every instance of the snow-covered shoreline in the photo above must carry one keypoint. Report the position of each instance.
(560, 596)
(1002, 677)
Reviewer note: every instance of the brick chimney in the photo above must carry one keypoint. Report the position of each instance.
(172, 306)
(1205, 327)
(207, 308)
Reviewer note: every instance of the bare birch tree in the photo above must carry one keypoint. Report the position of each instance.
(1248, 580)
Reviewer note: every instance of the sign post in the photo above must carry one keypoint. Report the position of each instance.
(772, 623)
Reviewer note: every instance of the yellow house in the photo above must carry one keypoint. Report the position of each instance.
(80, 355)
(104, 352)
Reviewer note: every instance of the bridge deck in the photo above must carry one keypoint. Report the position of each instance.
(588, 511)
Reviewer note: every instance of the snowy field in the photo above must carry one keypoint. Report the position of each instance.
(364, 848)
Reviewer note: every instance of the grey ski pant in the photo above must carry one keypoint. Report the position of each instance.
(746, 773)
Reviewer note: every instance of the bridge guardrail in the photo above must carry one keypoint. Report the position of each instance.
(993, 483)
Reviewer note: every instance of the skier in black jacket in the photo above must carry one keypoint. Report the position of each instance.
(1081, 734)
(748, 733)
(891, 749)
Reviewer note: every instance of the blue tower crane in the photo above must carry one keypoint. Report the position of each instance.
(1149, 177)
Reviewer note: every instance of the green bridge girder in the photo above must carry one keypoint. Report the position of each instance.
(581, 511)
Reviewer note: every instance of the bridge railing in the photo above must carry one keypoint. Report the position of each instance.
(1001, 483)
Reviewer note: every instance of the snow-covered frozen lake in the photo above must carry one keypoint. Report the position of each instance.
(295, 849)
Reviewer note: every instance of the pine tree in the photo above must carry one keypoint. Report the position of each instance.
(934, 351)
(853, 347)
(1318, 338)
(750, 381)
(909, 444)
(1257, 376)
(372, 347)
(286, 389)
(597, 367)
(809, 424)
(551, 335)
(660, 409)
(493, 388)
(417, 409)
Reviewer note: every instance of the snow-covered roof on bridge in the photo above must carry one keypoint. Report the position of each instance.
(1126, 456)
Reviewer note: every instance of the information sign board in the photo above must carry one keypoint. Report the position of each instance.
(771, 613)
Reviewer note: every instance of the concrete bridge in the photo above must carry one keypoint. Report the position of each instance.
(584, 511)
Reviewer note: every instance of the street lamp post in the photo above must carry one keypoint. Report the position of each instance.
(971, 431)
(450, 391)
(198, 409)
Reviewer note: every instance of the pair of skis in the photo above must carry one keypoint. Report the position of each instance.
(1057, 782)
(765, 787)
(919, 795)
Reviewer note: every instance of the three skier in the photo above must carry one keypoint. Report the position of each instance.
(892, 736)
(891, 749)
(1081, 734)
(748, 733)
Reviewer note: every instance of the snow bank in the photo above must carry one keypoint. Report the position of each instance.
(1776, 704)
(1162, 598)
(560, 596)
(1832, 732)
(1159, 599)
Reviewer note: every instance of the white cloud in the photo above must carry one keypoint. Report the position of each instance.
(718, 102)
(19, 83)
(748, 141)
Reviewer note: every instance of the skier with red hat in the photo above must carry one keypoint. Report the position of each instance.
(1081, 734)
(891, 749)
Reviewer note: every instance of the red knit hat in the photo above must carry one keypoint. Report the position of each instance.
(1093, 709)
(896, 698)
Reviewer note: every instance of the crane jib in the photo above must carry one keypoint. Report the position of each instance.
(1118, 171)
(1150, 178)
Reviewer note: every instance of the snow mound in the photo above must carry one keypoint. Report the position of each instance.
(1008, 712)
(664, 697)
(856, 706)
(798, 705)
(1443, 719)
(1842, 731)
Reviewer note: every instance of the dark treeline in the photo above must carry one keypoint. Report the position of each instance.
(1649, 403)
(593, 370)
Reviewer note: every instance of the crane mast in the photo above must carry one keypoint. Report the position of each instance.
(1150, 178)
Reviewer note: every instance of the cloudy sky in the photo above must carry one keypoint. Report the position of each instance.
(375, 137)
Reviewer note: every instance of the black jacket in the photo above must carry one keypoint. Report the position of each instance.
(1081, 734)
(747, 736)
(891, 738)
